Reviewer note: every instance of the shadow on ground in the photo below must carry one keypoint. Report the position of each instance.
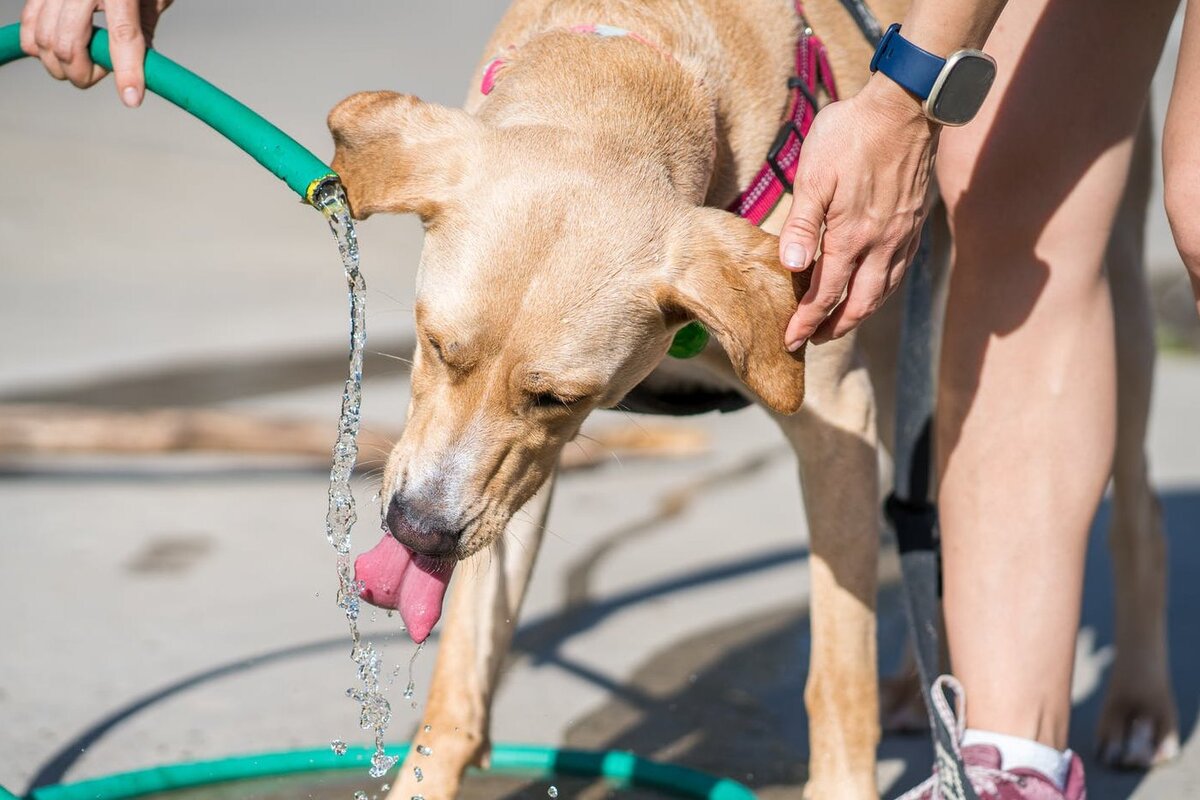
(729, 701)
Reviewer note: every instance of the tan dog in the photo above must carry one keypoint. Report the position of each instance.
(571, 230)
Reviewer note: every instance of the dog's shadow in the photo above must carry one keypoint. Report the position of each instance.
(730, 700)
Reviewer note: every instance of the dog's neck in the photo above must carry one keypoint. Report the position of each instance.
(605, 96)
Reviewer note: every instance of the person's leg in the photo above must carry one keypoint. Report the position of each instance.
(1181, 149)
(1026, 405)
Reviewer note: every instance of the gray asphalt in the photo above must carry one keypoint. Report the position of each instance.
(167, 608)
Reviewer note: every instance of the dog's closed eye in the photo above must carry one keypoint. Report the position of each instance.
(552, 400)
(436, 347)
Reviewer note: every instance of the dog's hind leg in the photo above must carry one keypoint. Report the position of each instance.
(834, 437)
(1137, 727)
(484, 605)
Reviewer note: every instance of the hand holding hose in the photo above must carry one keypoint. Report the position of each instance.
(58, 31)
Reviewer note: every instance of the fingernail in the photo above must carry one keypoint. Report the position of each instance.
(129, 96)
(794, 255)
(794, 346)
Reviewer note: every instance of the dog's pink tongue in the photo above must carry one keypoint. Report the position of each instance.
(381, 570)
(394, 577)
(422, 593)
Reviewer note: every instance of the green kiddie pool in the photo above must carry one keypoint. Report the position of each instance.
(527, 761)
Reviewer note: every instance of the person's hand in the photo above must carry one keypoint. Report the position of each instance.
(58, 31)
(864, 174)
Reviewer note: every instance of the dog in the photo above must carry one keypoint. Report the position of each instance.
(573, 226)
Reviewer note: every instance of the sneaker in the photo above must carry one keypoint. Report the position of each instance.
(980, 763)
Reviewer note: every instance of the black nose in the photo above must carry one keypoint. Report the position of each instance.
(424, 535)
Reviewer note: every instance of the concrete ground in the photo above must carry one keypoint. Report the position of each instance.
(166, 608)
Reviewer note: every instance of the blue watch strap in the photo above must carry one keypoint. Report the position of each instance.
(905, 63)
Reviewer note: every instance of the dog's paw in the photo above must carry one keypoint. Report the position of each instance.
(1137, 730)
(901, 707)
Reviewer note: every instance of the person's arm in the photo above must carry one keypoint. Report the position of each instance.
(58, 31)
(864, 174)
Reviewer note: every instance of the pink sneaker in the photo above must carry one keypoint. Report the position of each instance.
(981, 763)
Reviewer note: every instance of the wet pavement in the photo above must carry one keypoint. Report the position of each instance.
(162, 608)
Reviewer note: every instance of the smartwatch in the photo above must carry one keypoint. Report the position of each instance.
(951, 89)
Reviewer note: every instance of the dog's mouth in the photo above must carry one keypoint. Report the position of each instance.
(394, 577)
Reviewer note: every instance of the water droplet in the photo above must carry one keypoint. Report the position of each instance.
(381, 763)
(423, 750)
(360, 796)
(428, 728)
(385, 787)
(417, 797)
(552, 791)
(418, 774)
(338, 747)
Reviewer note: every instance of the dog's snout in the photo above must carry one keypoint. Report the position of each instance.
(425, 535)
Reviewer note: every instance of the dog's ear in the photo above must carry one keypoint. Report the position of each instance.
(398, 154)
(726, 273)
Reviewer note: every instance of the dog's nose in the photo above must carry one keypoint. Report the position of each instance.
(422, 534)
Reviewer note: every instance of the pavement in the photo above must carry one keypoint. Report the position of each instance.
(163, 608)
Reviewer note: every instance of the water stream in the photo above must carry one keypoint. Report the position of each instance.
(375, 711)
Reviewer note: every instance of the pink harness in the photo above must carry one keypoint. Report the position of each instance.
(778, 173)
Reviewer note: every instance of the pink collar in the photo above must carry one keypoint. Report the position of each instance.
(776, 176)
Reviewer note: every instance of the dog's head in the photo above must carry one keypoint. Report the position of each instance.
(552, 281)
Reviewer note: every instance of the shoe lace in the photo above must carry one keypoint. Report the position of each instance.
(945, 783)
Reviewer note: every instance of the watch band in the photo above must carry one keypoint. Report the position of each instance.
(908, 65)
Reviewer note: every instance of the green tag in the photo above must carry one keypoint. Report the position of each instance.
(690, 341)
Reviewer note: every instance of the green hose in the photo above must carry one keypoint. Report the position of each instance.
(531, 760)
(283, 156)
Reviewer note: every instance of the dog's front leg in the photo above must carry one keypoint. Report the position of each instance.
(484, 605)
(834, 437)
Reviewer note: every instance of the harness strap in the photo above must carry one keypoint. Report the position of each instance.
(778, 174)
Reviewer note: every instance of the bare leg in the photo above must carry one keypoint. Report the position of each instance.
(1027, 401)
(484, 606)
(835, 441)
(1181, 150)
(1138, 726)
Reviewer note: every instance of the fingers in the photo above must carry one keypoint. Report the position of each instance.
(29, 17)
(829, 280)
(127, 45)
(870, 285)
(45, 29)
(57, 32)
(73, 32)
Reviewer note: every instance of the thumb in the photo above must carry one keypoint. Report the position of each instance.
(801, 231)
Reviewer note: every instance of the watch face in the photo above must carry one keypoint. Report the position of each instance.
(963, 85)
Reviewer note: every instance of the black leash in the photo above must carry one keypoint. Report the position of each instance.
(864, 19)
(910, 507)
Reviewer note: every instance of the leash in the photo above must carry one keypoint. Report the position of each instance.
(911, 508)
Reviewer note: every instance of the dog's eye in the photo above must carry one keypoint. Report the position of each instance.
(436, 347)
(551, 400)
